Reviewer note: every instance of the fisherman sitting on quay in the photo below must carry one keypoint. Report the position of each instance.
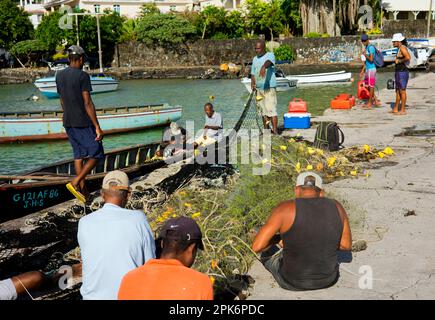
(173, 142)
(311, 231)
(170, 277)
(112, 240)
(212, 129)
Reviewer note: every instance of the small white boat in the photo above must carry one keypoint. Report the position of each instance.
(282, 83)
(421, 52)
(100, 83)
(327, 78)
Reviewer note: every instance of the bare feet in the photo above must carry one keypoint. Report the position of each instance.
(367, 106)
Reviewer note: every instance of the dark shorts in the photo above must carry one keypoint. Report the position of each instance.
(402, 78)
(83, 143)
(272, 260)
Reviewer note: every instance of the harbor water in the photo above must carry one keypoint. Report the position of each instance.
(228, 96)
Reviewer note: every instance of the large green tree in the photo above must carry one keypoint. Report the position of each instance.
(49, 32)
(111, 27)
(272, 18)
(254, 11)
(291, 9)
(15, 25)
(213, 21)
(235, 24)
(164, 29)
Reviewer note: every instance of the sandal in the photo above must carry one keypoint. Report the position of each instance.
(79, 196)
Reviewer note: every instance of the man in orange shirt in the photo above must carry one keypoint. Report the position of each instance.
(170, 277)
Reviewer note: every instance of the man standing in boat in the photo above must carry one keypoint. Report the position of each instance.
(80, 120)
(263, 80)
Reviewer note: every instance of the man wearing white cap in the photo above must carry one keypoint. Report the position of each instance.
(112, 240)
(402, 73)
(310, 229)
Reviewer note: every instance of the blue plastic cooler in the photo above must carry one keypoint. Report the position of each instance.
(297, 120)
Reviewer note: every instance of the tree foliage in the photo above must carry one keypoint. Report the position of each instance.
(49, 32)
(292, 15)
(111, 28)
(272, 18)
(235, 24)
(212, 21)
(15, 25)
(29, 50)
(164, 29)
(148, 8)
(284, 53)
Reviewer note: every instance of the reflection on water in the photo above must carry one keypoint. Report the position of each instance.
(230, 95)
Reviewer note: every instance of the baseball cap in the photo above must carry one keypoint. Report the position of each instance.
(182, 228)
(301, 180)
(116, 180)
(364, 37)
(76, 50)
(398, 37)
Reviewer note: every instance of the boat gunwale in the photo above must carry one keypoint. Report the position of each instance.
(5, 186)
(57, 113)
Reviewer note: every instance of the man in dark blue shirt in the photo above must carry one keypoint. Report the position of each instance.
(80, 120)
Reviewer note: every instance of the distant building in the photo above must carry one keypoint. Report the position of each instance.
(131, 8)
(407, 9)
(35, 10)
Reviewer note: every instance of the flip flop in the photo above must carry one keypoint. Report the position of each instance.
(79, 196)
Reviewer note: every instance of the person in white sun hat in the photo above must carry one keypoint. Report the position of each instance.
(402, 73)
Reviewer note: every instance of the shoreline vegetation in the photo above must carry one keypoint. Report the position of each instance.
(256, 19)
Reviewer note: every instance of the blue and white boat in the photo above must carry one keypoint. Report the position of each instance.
(100, 83)
(47, 125)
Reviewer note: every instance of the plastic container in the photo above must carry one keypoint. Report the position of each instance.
(345, 96)
(341, 104)
(298, 106)
(363, 93)
(297, 120)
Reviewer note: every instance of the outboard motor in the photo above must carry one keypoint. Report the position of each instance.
(390, 84)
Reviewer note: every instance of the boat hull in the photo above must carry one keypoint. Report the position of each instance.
(325, 78)
(37, 129)
(47, 86)
(282, 84)
(20, 199)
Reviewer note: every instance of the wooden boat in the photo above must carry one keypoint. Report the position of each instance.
(45, 187)
(46, 125)
(327, 78)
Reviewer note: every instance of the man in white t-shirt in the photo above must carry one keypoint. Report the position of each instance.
(113, 240)
(212, 128)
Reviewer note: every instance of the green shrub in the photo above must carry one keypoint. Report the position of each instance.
(284, 52)
(313, 35)
(325, 35)
(219, 36)
(164, 29)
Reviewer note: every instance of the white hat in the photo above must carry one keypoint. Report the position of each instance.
(117, 180)
(175, 129)
(300, 180)
(398, 37)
